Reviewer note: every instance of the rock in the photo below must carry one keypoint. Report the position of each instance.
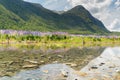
(6, 62)
(10, 62)
(93, 79)
(94, 67)
(30, 61)
(49, 57)
(60, 56)
(101, 64)
(46, 71)
(30, 66)
(113, 66)
(117, 70)
(24, 51)
(64, 73)
(42, 61)
(31, 79)
(68, 63)
(42, 55)
(73, 65)
(83, 74)
(55, 62)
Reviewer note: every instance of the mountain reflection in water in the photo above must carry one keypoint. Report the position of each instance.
(105, 66)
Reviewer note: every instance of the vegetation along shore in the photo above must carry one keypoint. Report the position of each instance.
(54, 39)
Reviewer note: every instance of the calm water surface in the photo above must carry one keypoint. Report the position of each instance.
(48, 64)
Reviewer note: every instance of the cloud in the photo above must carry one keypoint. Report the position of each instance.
(117, 4)
(58, 5)
(36, 1)
(115, 25)
(105, 10)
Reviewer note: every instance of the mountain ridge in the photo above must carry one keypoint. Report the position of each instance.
(32, 16)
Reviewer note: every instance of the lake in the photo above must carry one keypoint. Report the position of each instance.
(75, 63)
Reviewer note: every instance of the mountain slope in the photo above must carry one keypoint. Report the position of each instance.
(17, 14)
(89, 22)
(34, 16)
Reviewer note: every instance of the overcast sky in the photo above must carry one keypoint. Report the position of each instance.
(108, 11)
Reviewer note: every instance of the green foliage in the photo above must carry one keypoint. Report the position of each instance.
(58, 37)
(34, 38)
(20, 15)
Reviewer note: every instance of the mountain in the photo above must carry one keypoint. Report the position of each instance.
(20, 15)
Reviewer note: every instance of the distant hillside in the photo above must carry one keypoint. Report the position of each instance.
(20, 15)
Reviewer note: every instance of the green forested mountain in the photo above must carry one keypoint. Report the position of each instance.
(20, 15)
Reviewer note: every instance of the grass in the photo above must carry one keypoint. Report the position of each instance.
(57, 41)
